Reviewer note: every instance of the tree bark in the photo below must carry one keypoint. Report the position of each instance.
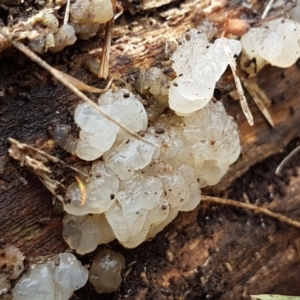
(212, 252)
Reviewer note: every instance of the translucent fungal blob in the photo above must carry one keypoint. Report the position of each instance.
(65, 36)
(105, 272)
(199, 65)
(98, 134)
(87, 15)
(276, 42)
(84, 233)
(136, 189)
(51, 281)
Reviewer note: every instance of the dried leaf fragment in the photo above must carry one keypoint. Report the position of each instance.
(260, 99)
(41, 164)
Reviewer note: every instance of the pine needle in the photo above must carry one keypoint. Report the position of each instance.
(267, 9)
(104, 66)
(238, 84)
(67, 12)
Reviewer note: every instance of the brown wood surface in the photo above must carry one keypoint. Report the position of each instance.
(210, 253)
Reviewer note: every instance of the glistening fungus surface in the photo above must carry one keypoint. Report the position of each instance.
(220, 252)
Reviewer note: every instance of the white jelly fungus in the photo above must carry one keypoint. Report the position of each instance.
(87, 15)
(137, 189)
(98, 134)
(105, 272)
(51, 281)
(275, 42)
(199, 65)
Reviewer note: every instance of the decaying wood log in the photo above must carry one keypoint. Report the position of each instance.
(210, 253)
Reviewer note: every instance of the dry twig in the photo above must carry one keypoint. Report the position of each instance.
(254, 208)
(281, 13)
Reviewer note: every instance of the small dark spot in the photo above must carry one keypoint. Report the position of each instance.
(160, 130)
(218, 94)
(247, 63)
(126, 95)
(212, 142)
(168, 70)
(164, 206)
(112, 196)
(175, 83)
(98, 175)
(188, 37)
(127, 141)
(141, 132)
